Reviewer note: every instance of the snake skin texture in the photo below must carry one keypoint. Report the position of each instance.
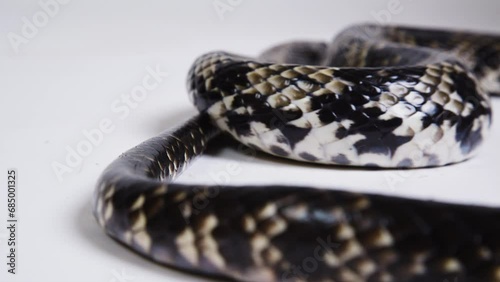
(392, 97)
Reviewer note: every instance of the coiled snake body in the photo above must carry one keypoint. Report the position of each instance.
(390, 97)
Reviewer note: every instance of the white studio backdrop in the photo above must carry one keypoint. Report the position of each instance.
(67, 69)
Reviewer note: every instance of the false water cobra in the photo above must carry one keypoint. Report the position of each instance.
(387, 97)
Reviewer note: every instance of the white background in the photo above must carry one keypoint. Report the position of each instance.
(65, 79)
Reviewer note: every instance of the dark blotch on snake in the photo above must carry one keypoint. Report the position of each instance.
(294, 134)
(379, 137)
(278, 151)
(308, 157)
(341, 159)
(405, 163)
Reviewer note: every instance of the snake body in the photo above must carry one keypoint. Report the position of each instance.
(391, 97)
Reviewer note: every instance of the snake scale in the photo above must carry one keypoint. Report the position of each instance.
(377, 96)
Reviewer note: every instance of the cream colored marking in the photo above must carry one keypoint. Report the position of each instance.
(303, 104)
(179, 196)
(208, 245)
(403, 110)
(217, 110)
(468, 108)
(322, 91)
(422, 88)
(276, 226)
(285, 265)
(451, 265)
(140, 222)
(259, 243)
(398, 89)
(433, 71)
(328, 71)
(208, 82)
(138, 203)
(290, 74)
(347, 274)
(440, 97)
(446, 78)
(320, 77)
(297, 212)
(351, 250)
(108, 211)
(207, 73)
(249, 224)
(445, 87)
(185, 242)
(335, 86)
(304, 69)
(99, 208)
(496, 273)
(210, 250)
(278, 81)
(490, 81)
(142, 239)
(311, 118)
(484, 253)
(264, 72)
(170, 155)
(109, 193)
(278, 100)
(160, 190)
(228, 101)
(258, 274)
(385, 277)
(272, 255)
(331, 259)
(265, 88)
(345, 82)
(415, 98)
(338, 214)
(186, 209)
(429, 79)
(458, 68)
(366, 267)
(127, 237)
(254, 77)
(421, 256)
(388, 99)
(209, 224)
(429, 107)
(293, 92)
(454, 106)
(417, 268)
(381, 237)
(344, 231)
(307, 86)
(347, 123)
(267, 211)
(253, 65)
(362, 203)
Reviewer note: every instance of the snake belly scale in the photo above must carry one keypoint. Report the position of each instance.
(387, 97)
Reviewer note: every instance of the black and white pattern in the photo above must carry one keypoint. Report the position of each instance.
(376, 96)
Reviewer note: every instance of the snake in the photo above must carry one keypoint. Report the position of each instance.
(375, 97)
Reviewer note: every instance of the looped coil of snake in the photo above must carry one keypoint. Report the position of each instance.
(368, 99)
